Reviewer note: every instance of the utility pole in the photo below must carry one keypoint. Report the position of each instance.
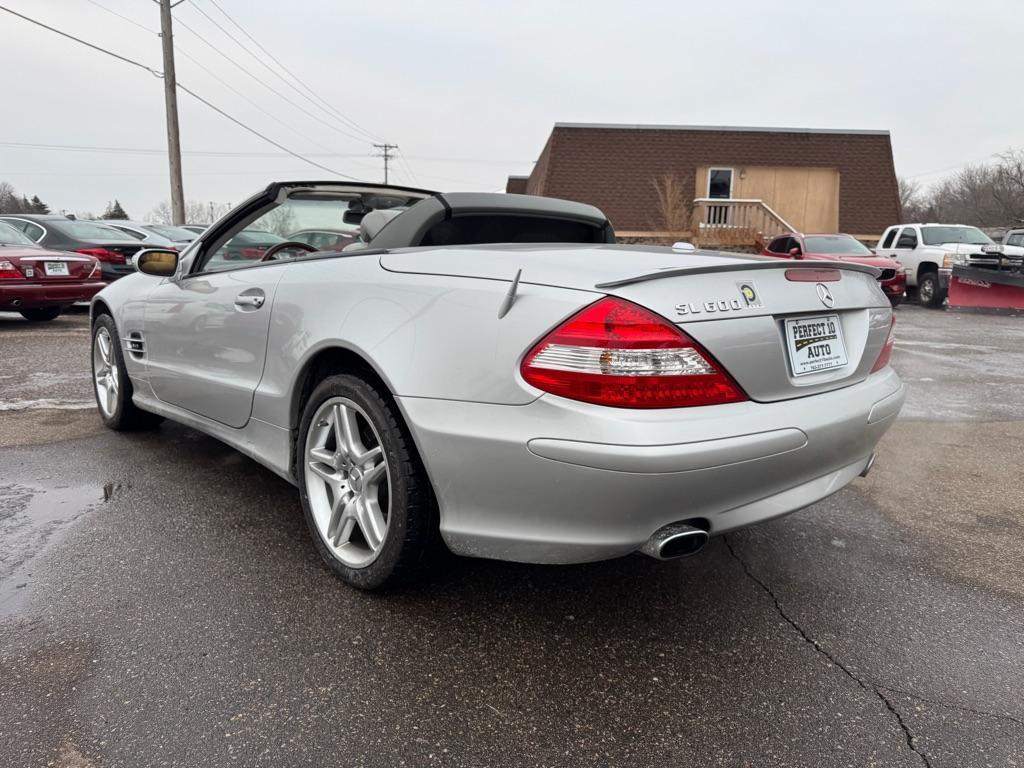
(171, 102)
(385, 152)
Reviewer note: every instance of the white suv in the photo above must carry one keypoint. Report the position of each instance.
(930, 251)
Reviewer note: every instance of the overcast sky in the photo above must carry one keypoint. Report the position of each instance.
(470, 90)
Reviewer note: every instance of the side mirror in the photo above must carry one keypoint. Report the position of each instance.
(157, 261)
(683, 246)
(795, 253)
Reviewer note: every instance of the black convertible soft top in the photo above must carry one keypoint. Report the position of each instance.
(467, 218)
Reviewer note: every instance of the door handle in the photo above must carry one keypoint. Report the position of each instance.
(253, 300)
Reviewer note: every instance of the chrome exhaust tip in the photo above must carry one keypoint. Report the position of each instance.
(868, 466)
(675, 540)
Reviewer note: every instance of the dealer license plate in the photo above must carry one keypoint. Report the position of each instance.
(56, 268)
(815, 344)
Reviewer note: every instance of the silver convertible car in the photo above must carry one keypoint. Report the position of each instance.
(492, 374)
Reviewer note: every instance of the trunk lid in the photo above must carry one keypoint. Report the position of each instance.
(737, 306)
(44, 266)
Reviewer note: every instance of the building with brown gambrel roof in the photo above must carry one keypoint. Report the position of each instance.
(810, 180)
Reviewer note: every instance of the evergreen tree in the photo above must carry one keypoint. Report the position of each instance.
(114, 211)
(35, 205)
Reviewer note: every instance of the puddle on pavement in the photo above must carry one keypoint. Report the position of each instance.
(32, 520)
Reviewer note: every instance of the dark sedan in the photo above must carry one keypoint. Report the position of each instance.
(114, 249)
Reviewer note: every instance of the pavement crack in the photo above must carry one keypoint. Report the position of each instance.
(957, 707)
(876, 691)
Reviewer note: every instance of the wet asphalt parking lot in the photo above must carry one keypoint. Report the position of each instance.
(162, 604)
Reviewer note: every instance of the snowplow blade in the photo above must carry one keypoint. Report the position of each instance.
(975, 288)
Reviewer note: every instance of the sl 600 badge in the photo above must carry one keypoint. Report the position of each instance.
(749, 297)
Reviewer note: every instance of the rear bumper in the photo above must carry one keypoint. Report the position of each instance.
(561, 482)
(36, 295)
(112, 272)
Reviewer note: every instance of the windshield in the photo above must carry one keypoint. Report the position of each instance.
(940, 235)
(172, 233)
(87, 230)
(836, 245)
(10, 236)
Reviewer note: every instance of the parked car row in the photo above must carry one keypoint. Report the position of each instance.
(40, 282)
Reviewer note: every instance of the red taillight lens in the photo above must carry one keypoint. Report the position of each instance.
(97, 272)
(103, 254)
(9, 272)
(886, 353)
(252, 253)
(618, 354)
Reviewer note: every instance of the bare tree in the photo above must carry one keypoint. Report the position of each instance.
(196, 212)
(280, 221)
(674, 209)
(911, 202)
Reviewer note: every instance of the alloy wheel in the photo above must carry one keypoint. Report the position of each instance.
(347, 482)
(926, 291)
(106, 376)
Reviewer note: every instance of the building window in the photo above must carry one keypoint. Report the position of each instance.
(719, 188)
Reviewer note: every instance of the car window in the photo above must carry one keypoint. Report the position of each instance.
(11, 236)
(33, 231)
(890, 235)
(1015, 239)
(177, 234)
(939, 235)
(908, 238)
(130, 232)
(778, 245)
(88, 230)
(836, 245)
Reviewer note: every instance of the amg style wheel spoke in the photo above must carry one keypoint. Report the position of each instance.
(371, 522)
(347, 483)
(372, 477)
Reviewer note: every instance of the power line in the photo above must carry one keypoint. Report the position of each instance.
(123, 17)
(291, 74)
(225, 153)
(253, 131)
(190, 92)
(179, 49)
(151, 71)
(270, 88)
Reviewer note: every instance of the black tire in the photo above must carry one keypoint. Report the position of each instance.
(412, 541)
(125, 415)
(929, 291)
(41, 314)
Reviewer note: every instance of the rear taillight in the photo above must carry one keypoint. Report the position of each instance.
(9, 272)
(104, 254)
(97, 272)
(886, 353)
(252, 253)
(618, 354)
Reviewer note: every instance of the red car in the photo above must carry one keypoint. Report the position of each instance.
(892, 280)
(40, 283)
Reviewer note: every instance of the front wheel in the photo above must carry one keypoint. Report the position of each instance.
(929, 290)
(365, 494)
(111, 385)
(41, 314)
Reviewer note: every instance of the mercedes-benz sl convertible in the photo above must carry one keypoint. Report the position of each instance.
(493, 374)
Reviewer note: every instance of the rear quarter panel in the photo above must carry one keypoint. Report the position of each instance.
(430, 336)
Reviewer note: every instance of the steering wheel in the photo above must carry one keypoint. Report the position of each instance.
(273, 250)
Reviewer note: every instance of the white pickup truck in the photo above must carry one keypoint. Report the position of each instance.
(930, 251)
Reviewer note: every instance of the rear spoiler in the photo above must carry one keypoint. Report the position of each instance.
(753, 265)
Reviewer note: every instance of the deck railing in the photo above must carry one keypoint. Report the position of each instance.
(735, 221)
